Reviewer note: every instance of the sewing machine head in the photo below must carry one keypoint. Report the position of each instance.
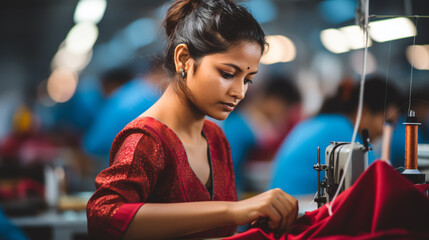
(336, 157)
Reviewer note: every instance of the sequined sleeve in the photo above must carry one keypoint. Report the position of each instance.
(124, 187)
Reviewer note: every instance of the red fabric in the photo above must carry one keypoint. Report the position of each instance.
(148, 164)
(382, 204)
(124, 215)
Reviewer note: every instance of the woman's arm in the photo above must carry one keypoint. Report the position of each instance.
(170, 220)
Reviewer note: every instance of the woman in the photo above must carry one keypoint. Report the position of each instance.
(170, 171)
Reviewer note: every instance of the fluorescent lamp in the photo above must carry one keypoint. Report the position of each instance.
(89, 11)
(355, 37)
(334, 40)
(391, 29)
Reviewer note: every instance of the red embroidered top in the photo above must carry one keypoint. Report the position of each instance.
(148, 164)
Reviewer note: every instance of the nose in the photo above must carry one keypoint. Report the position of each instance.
(238, 89)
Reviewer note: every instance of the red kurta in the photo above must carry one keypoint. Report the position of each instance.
(148, 164)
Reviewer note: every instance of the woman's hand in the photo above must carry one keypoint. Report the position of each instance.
(275, 207)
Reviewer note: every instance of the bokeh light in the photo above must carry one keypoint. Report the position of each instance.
(280, 49)
(62, 85)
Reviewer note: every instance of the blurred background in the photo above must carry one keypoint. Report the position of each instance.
(74, 72)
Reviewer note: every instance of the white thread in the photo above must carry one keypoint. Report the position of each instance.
(359, 113)
(312, 201)
(412, 66)
(387, 79)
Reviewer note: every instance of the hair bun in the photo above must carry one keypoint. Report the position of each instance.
(178, 12)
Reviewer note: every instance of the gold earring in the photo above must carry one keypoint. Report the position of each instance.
(182, 73)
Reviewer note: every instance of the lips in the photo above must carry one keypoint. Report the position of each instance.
(229, 106)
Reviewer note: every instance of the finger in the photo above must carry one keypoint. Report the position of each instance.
(293, 214)
(275, 217)
(284, 210)
(281, 204)
(279, 209)
(292, 206)
(292, 201)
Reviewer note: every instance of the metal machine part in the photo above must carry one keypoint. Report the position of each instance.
(423, 159)
(336, 156)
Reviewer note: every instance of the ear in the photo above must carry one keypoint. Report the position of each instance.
(182, 58)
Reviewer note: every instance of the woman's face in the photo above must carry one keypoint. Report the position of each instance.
(220, 80)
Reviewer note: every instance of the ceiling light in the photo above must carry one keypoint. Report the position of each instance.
(81, 38)
(391, 29)
(66, 59)
(334, 40)
(355, 37)
(89, 11)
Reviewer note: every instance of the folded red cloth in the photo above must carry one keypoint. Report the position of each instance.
(382, 204)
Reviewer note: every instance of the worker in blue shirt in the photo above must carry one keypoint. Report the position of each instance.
(293, 165)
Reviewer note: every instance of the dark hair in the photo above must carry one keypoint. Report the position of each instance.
(114, 78)
(208, 26)
(378, 94)
(337, 103)
(282, 88)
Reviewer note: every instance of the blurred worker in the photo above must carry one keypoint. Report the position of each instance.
(293, 166)
(124, 103)
(256, 131)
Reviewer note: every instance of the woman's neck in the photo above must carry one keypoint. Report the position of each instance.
(182, 117)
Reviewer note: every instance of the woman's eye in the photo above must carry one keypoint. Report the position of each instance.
(226, 75)
(246, 81)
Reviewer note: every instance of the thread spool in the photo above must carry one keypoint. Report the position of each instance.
(411, 136)
(411, 140)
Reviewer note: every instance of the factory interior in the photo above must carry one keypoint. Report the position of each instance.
(337, 117)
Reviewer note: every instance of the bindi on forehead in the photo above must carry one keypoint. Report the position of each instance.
(248, 68)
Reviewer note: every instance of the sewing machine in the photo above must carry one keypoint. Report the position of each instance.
(336, 156)
(338, 153)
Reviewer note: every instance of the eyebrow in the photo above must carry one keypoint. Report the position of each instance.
(238, 68)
